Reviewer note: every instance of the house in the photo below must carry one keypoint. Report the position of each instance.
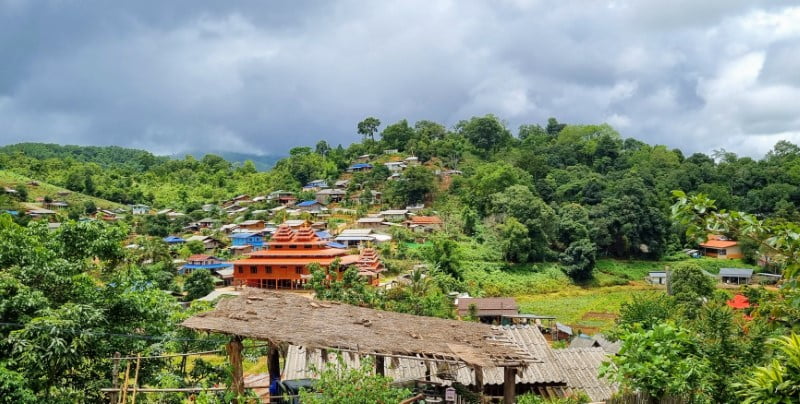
(391, 151)
(720, 247)
(297, 223)
(171, 214)
(596, 341)
(39, 212)
(396, 215)
(657, 277)
(240, 250)
(370, 223)
(209, 207)
(735, 276)
(355, 237)
(173, 240)
(105, 215)
(311, 206)
(285, 262)
(206, 223)
(255, 240)
(359, 167)
(10, 191)
(364, 158)
(487, 310)
(228, 228)
(424, 224)
(326, 196)
(341, 184)
(316, 185)
(563, 332)
(252, 225)
(56, 205)
(412, 161)
(415, 208)
(209, 243)
(374, 198)
(203, 261)
(395, 166)
(282, 197)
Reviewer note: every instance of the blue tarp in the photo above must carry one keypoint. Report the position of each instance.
(307, 203)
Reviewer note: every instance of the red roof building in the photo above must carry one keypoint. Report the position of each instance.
(720, 247)
(284, 264)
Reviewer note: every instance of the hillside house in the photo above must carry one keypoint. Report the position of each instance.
(596, 341)
(355, 237)
(359, 167)
(424, 224)
(395, 166)
(206, 223)
(252, 225)
(359, 197)
(209, 243)
(56, 205)
(341, 184)
(316, 185)
(10, 191)
(282, 197)
(395, 215)
(735, 276)
(326, 196)
(364, 158)
(722, 248)
(40, 212)
(284, 264)
(203, 261)
(297, 223)
(173, 240)
(312, 207)
(412, 161)
(254, 240)
(106, 215)
(657, 277)
(370, 223)
(415, 208)
(563, 332)
(488, 310)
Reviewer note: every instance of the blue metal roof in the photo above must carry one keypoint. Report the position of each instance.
(360, 165)
(174, 239)
(333, 244)
(307, 203)
(243, 235)
(208, 266)
(323, 234)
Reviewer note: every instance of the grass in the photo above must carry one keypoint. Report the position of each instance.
(589, 310)
(11, 180)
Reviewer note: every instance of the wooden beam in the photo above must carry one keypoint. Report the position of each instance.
(380, 364)
(274, 363)
(234, 349)
(509, 385)
(478, 379)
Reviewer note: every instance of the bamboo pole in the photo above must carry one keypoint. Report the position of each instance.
(235, 357)
(124, 397)
(136, 378)
(115, 377)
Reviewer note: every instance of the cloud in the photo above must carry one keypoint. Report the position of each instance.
(258, 77)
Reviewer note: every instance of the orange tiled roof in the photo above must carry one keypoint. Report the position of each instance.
(719, 243)
(425, 220)
(739, 302)
(345, 260)
(199, 257)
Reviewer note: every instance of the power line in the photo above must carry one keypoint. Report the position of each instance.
(132, 336)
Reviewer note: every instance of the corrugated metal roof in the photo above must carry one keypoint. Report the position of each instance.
(742, 272)
(580, 365)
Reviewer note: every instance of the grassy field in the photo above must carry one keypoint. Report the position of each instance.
(11, 180)
(587, 309)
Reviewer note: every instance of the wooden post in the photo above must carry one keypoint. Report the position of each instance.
(274, 362)
(478, 379)
(234, 349)
(114, 378)
(380, 365)
(124, 396)
(509, 385)
(136, 377)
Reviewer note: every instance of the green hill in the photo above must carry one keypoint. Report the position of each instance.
(11, 180)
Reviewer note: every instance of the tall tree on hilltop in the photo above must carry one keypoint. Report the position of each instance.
(368, 127)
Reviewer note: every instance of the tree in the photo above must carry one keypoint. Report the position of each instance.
(413, 187)
(514, 241)
(322, 148)
(22, 192)
(486, 133)
(553, 127)
(340, 384)
(397, 136)
(443, 255)
(689, 284)
(663, 361)
(578, 259)
(368, 127)
(518, 202)
(779, 380)
(195, 247)
(199, 283)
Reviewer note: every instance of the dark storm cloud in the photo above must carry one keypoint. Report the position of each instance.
(265, 76)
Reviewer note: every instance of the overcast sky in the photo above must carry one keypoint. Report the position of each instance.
(260, 77)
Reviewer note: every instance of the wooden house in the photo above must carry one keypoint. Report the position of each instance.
(209, 243)
(722, 248)
(252, 225)
(487, 310)
(394, 215)
(424, 224)
(326, 196)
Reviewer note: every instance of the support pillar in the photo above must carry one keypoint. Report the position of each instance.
(380, 365)
(509, 385)
(274, 362)
(234, 349)
(478, 379)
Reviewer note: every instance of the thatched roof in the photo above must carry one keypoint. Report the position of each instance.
(281, 317)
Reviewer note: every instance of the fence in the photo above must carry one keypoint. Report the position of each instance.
(644, 398)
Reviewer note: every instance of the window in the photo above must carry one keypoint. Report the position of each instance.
(307, 246)
(277, 247)
(268, 270)
(298, 270)
(253, 269)
(723, 251)
(293, 246)
(241, 270)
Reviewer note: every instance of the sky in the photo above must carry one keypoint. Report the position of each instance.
(261, 77)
